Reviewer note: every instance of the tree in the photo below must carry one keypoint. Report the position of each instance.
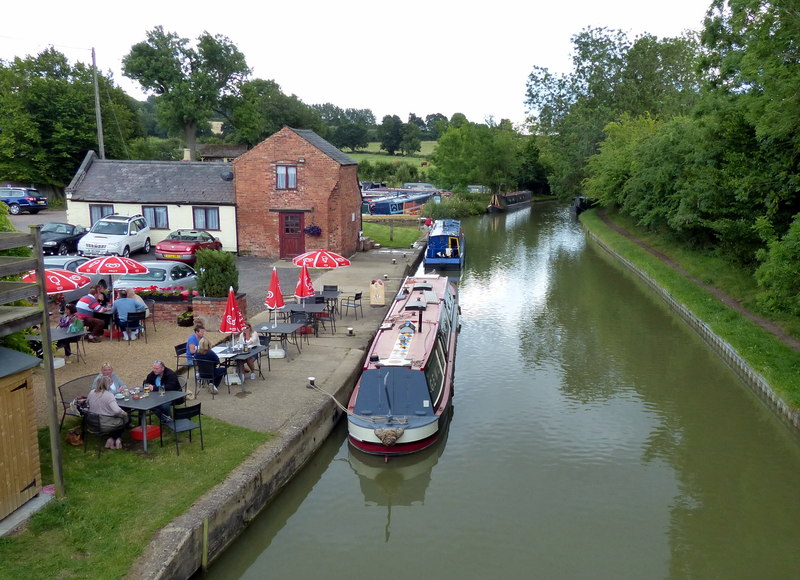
(191, 83)
(436, 124)
(410, 142)
(351, 135)
(390, 133)
(363, 117)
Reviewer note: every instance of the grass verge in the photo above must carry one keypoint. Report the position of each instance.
(391, 236)
(115, 503)
(764, 352)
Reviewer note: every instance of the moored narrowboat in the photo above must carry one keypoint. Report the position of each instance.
(502, 202)
(446, 249)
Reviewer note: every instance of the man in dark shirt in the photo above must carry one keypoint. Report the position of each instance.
(166, 377)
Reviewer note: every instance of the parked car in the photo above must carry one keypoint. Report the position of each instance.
(61, 238)
(161, 274)
(19, 199)
(116, 234)
(182, 245)
(71, 263)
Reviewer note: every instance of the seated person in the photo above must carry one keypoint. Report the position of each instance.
(132, 294)
(113, 420)
(122, 307)
(193, 342)
(204, 352)
(67, 319)
(166, 377)
(106, 370)
(250, 339)
(88, 307)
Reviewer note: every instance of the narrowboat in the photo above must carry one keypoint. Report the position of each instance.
(502, 202)
(445, 249)
(402, 400)
(397, 202)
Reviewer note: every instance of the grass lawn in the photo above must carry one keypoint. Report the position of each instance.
(100, 527)
(764, 352)
(373, 154)
(391, 236)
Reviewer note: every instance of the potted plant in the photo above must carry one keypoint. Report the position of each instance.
(186, 318)
(313, 230)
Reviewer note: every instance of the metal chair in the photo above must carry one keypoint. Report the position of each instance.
(264, 340)
(353, 302)
(181, 422)
(135, 320)
(180, 351)
(70, 391)
(204, 375)
(309, 322)
(91, 426)
(151, 306)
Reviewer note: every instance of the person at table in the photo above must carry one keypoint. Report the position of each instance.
(193, 342)
(88, 307)
(122, 307)
(107, 371)
(204, 352)
(67, 319)
(132, 294)
(249, 339)
(162, 376)
(113, 420)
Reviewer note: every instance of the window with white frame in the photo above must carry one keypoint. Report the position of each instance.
(98, 212)
(157, 216)
(286, 177)
(206, 218)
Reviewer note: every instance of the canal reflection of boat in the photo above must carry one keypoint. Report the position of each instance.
(402, 481)
(502, 202)
(402, 400)
(446, 249)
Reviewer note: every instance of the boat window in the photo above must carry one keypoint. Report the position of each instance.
(434, 372)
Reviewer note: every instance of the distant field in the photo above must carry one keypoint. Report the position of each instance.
(373, 154)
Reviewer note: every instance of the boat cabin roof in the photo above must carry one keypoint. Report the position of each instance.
(397, 392)
(445, 228)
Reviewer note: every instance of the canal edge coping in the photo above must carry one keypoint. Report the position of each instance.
(754, 380)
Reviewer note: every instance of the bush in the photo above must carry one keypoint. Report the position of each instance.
(459, 205)
(216, 272)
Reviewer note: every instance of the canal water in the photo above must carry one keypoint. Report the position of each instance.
(594, 435)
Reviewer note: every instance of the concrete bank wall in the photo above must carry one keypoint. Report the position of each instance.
(753, 379)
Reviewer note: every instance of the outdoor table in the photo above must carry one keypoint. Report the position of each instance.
(239, 356)
(331, 298)
(148, 403)
(57, 334)
(282, 330)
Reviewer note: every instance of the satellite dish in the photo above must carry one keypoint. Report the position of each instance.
(226, 175)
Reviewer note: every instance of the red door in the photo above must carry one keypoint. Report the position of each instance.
(292, 238)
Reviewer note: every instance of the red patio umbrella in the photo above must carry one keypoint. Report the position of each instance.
(113, 266)
(304, 288)
(58, 281)
(232, 320)
(274, 298)
(321, 259)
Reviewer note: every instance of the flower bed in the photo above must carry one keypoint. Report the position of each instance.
(168, 294)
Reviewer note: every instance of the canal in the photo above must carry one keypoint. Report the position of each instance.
(594, 435)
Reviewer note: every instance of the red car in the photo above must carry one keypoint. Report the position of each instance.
(182, 245)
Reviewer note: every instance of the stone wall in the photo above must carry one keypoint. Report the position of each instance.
(209, 310)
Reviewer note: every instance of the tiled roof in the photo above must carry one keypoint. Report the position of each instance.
(172, 182)
(328, 149)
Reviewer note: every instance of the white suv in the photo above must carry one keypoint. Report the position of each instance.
(116, 235)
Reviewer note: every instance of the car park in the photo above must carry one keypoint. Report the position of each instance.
(20, 199)
(183, 245)
(71, 264)
(61, 238)
(115, 234)
(161, 274)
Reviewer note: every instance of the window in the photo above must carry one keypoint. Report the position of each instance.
(287, 177)
(156, 216)
(206, 218)
(97, 212)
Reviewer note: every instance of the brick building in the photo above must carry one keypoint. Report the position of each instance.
(289, 183)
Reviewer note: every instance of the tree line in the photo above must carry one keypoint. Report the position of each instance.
(694, 137)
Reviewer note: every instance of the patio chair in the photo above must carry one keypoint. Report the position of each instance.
(181, 422)
(353, 302)
(309, 322)
(204, 375)
(151, 306)
(264, 340)
(136, 321)
(180, 351)
(70, 391)
(91, 426)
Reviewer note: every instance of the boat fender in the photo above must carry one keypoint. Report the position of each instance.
(389, 436)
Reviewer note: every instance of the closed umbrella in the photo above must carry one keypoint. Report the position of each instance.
(304, 288)
(274, 298)
(232, 320)
(321, 259)
(58, 281)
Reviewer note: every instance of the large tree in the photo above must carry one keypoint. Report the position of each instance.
(390, 133)
(191, 83)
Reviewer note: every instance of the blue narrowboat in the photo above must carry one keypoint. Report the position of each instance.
(397, 202)
(445, 249)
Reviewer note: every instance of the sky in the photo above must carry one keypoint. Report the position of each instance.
(395, 58)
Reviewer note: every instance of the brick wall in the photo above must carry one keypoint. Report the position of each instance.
(327, 195)
(210, 310)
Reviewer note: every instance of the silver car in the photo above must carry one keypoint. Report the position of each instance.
(71, 263)
(161, 274)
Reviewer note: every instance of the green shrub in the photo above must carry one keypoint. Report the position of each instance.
(459, 205)
(216, 272)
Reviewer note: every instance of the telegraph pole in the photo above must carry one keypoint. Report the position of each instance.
(97, 114)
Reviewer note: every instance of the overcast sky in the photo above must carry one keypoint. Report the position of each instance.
(394, 58)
